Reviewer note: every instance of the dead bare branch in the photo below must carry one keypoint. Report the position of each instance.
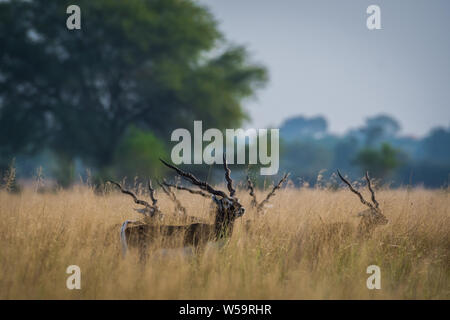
(167, 190)
(152, 193)
(272, 193)
(130, 193)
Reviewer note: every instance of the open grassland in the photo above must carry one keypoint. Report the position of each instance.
(286, 254)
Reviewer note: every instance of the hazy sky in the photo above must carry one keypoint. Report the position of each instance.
(322, 59)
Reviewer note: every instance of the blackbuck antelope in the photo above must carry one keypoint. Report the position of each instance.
(228, 209)
(371, 217)
(260, 207)
(151, 212)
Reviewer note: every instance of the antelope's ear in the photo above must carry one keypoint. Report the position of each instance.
(143, 211)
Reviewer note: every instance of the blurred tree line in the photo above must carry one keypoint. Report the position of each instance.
(108, 95)
(377, 147)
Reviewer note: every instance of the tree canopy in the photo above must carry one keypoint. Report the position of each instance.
(154, 64)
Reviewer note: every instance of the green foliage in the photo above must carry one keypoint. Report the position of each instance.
(138, 154)
(379, 162)
(148, 63)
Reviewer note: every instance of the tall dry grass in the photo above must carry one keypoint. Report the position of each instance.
(286, 255)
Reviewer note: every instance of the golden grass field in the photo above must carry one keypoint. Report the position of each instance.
(285, 256)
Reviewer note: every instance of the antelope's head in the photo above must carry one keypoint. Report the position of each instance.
(228, 206)
(228, 209)
(372, 216)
